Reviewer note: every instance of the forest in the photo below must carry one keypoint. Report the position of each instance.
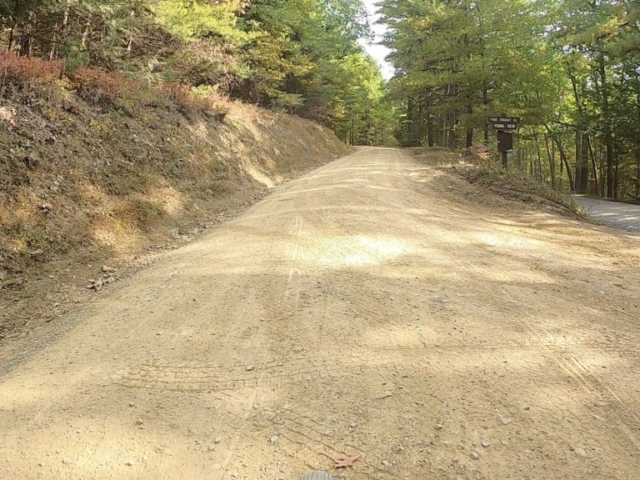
(300, 56)
(568, 68)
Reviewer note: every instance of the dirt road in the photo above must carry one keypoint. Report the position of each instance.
(379, 306)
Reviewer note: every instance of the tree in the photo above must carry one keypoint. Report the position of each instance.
(302, 56)
(568, 68)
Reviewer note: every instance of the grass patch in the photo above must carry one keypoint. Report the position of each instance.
(515, 181)
(142, 214)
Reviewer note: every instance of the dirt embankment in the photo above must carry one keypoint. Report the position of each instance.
(82, 189)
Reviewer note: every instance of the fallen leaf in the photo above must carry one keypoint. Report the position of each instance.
(346, 461)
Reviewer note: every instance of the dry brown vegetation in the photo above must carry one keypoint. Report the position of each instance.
(85, 183)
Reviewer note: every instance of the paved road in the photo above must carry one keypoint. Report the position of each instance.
(622, 215)
(378, 307)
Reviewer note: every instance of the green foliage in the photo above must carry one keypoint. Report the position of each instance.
(568, 68)
(17, 10)
(302, 56)
(74, 56)
(198, 19)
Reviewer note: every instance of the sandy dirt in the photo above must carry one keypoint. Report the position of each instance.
(380, 306)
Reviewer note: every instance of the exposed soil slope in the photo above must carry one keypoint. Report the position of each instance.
(81, 187)
(379, 306)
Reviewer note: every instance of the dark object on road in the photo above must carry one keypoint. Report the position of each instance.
(316, 475)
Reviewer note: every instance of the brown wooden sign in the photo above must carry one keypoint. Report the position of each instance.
(505, 127)
(512, 120)
(505, 124)
(505, 141)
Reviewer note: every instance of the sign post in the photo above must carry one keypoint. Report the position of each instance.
(505, 127)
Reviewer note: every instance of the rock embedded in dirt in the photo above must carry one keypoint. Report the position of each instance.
(384, 395)
(251, 368)
(438, 427)
(485, 444)
(580, 452)
(95, 284)
(505, 420)
(474, 455)
(274, 439)
(386, 463)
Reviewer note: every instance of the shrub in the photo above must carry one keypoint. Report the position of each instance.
(512, 179)
(100, 86)
(24, 72)
(187, 102)
(109, 89)
(194, 101)
(217, 103)
(140, 213)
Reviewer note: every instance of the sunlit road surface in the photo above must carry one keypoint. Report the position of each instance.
(380, 306)
(622, 215)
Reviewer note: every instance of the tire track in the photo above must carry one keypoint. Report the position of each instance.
(279, 371)
(593, 386)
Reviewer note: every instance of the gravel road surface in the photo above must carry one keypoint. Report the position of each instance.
(622, 215)
(380, 307)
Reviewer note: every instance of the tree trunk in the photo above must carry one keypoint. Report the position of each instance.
(608, 137)
(552, 161)
(54, 43)
(485, 102)
(85, 33)
(538, 157)
(130, 40)
(594, 168)
(582, 163)
(638, 177)
(430, 139)
(563, 158)
(615, 175)
(469, 134)
(12, 35)
(469, 138)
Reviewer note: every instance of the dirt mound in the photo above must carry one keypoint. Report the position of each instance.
(81, 188)
(490, 182)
